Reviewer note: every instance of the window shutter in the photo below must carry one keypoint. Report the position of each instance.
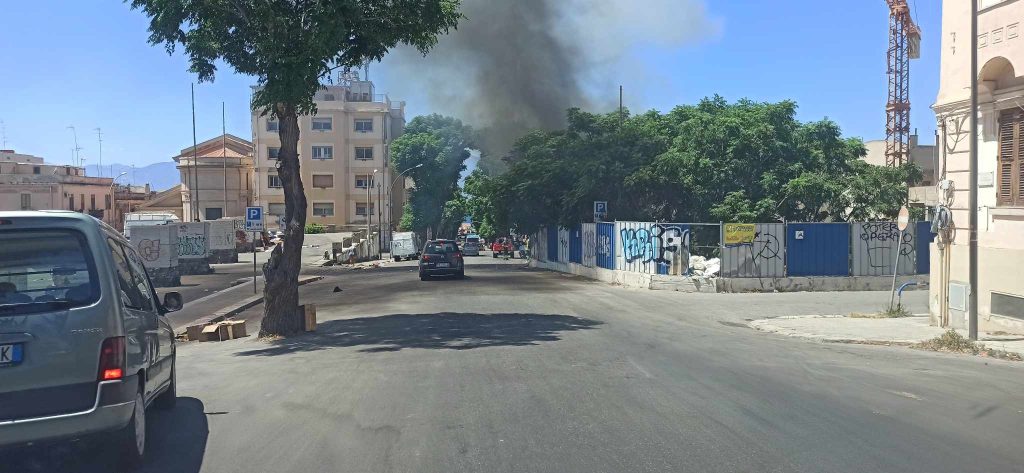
(324, 181)
(1009, 150)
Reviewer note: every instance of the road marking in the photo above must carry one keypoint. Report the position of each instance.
(907, 395)
(639, 368)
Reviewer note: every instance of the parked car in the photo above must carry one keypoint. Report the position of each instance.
(441, 258)
(503, 247)
(405, 245)
(472, 245)
(85, 348)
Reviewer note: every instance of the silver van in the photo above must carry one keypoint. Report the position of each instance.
(84, 344)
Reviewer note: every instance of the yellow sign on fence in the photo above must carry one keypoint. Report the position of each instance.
(739, 233)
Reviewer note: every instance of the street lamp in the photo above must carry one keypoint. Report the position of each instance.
(391, 231)
(113, 200)
(369, 215)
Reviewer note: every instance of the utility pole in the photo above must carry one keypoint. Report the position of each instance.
(75, 151)
(3, 134)
(224, 155)
(620, 106)
(972, 197)
(194, 188)
(99, 136)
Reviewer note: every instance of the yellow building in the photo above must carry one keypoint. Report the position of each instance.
(339, 149)
(1000, 138)
(28, 183)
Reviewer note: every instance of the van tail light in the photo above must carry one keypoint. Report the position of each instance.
(426, 257)
(111, 359)
(458, 255)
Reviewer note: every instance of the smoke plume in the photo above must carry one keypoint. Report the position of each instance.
(517, 65)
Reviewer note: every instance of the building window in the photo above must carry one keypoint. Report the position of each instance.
(274, 181)
(328, 97)
(92, 202)
(273, 125)
(275, 209)
(273, 152)
(81, 203)
(1010, 172)
(363, 209)
(26, 202)
(364, 153)
(214, 213)
(322, 124)
(35, 170)
(323, 209)
(71, 202)
(323, 152)
(323, 181)
(363, 181)
(364, 125)
(106, 202)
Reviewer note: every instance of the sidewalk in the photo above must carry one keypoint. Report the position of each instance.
(895, 331)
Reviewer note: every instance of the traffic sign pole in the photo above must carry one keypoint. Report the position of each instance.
(254, 224)
(902, 222)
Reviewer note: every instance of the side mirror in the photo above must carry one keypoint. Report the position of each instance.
(173, 302)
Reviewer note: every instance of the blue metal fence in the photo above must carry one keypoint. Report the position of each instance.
(553, 243)
(605, 245)
(576, 244)
(818, 249)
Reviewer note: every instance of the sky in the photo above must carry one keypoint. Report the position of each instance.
(87, 64)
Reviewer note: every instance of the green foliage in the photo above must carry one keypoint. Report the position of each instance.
(314, 228)
(289, 46)
(714, 161)
(440, 146)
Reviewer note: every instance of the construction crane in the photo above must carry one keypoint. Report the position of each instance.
(904, 45)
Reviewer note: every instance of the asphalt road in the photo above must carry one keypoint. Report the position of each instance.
(516, 370)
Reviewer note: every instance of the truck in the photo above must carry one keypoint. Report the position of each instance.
(140, 219)
(405, 245)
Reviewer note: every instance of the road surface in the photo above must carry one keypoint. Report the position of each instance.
(517, 370)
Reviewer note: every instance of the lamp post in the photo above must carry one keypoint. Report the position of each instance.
(369, 215)
(113, 200)
(391, 231)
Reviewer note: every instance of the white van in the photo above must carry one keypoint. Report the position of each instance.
(139, 219)
(405, 245)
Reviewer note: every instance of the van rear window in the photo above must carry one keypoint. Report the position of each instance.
(42, 271)
(440, 248)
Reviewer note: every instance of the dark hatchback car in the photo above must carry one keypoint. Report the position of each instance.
(441, 258)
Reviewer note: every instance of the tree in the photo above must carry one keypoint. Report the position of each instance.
(289, 46)
(714, 161)
(441, 145)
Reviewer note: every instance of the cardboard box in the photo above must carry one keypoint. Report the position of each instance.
(231, 329)
(309, 317)
(210, 333)
(194, 332)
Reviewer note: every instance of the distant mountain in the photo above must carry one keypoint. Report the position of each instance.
(159, 176)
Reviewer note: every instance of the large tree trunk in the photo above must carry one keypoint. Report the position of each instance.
(281, 293)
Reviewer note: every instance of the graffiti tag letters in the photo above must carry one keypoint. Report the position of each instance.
(149, 250)
(654, 244)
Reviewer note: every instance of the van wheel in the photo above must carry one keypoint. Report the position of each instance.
(131, 440)
(169, 397)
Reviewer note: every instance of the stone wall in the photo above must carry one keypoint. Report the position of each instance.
(164, 277)
(223, 256)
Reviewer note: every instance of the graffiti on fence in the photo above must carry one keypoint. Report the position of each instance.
(770, 247)
(149, 250)
(654, 244)
(563, 243)
(879, 237)
(191, 245)
(604, 246)
(589, 244)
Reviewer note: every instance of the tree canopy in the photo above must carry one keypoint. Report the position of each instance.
(714, 161)
(440, 146)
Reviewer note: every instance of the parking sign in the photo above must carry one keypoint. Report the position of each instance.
(600, 210)
(254, 219)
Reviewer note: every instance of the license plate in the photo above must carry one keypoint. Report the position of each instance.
(442, 265)
(10, 354)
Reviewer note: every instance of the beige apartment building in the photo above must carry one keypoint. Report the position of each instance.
(218, 181)
(339, 149)
(1000, 138)
(28, 183)
(924, 155)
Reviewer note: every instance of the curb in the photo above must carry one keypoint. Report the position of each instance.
(237, 308)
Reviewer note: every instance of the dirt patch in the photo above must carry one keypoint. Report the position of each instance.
(893, 313)
(953, 342)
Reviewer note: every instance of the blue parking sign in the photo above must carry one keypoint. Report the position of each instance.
(254, 219)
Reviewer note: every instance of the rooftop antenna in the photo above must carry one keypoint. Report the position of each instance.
(77, 148)
(3, 134)
(99, 136)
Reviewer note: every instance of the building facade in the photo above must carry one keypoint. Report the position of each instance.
(217, 181)
(28, 183)
(924, 155)
(340, 148)
(1000, 139)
